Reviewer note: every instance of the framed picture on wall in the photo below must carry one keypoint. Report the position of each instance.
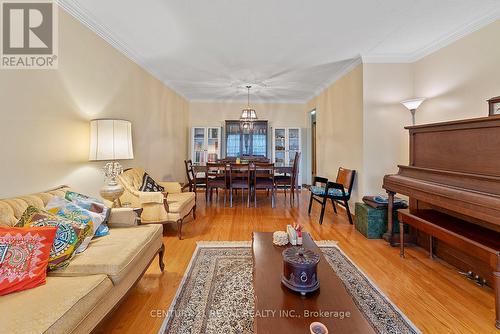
(494, 106)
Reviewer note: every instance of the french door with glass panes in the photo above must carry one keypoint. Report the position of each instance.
(286, 143)
(205, 144)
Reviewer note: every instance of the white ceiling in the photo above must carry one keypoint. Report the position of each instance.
(291, 49)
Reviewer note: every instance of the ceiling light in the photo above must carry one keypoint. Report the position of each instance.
(248, 115)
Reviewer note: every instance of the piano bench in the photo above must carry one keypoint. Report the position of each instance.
(476, 241)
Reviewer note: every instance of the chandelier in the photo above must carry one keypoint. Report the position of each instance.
(248, 115)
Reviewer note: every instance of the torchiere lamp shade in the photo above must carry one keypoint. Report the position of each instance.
(110, 140)
(413, 104)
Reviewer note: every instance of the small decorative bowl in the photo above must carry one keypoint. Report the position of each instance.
(318, 328)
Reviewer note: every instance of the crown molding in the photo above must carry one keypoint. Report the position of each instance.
(336, 77)
(73, 8)
(435, 45)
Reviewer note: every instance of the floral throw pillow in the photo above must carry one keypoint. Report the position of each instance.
(66, 209)
(94, 205)
(69, 234)
(149, 185)
(24, 256)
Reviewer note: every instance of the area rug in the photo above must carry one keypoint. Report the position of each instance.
(216, 294)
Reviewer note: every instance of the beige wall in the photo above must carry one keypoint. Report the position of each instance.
(385, 143)
(214, 114)
(339, 119)
(458, 79)
(44, 128)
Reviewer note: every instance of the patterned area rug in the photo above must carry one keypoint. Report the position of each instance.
(216, 294)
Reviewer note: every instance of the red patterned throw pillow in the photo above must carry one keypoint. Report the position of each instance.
(24, 256)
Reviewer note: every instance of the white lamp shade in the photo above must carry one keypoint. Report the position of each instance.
(110, 140)
(413, 104)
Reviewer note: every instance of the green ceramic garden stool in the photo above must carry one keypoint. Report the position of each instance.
(371, 222)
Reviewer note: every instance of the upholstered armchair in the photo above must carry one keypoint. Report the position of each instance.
(170, 206)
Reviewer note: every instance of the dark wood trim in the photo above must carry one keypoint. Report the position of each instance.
(480, 122)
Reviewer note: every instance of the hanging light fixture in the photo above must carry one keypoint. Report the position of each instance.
(248, 115)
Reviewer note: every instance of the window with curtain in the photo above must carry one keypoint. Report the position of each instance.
(239, 143)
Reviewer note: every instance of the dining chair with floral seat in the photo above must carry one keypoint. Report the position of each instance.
(338, 192)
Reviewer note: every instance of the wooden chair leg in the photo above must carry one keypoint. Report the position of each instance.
(323, 206)
(496, 283)
(194, 212)
(160, 257)
(348, 212)
(310, 204)
(179, 226)
(401, 239)
(334, 206)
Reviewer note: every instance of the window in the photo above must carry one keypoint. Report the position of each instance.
(239, 144)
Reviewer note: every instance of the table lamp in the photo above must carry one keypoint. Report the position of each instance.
(111, 140)
(412, 106)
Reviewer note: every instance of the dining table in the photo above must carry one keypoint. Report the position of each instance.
(279, 168)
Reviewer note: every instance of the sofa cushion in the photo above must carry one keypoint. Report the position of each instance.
(116, 254)
(57, 307)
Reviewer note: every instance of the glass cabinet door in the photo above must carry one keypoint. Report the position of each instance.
(199, 148)
(259, 139)
(279, 146)
(293, 144)
(213, 144)
(233, 139)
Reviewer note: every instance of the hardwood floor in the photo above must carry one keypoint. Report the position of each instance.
(431, 293)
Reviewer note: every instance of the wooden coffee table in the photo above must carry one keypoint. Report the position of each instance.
(279, 310)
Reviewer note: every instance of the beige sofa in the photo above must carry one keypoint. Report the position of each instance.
(77, 298)
(171, 206)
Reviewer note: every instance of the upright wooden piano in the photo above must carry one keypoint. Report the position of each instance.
(453, 182)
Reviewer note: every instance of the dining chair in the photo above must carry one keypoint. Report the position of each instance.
(216, 178)
(194, 181)
(239, 178)
(338, 192)
(263, 179)
(289, 181)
